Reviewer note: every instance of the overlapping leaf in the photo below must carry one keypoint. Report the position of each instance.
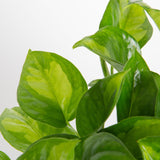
(132, 129)
(50, 88)
(157, 106)
(139, 91)
(56, 147)
(150, 147)
(103, 146)
(129, 16)
(97, 104)
(20, 130)
(112, 44)
(154, 13)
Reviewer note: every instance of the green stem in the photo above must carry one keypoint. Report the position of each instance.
(112, 70)
(104, 67)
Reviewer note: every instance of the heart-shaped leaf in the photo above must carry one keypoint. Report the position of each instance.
(139, 91)
(20, 130)
(102, 146)
(50, 88)
(132, 129)
(97, 104)
(56, 147)
(150, 147)
(129, 16)
(112, 44)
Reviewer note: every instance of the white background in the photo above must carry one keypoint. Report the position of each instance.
(53, 25)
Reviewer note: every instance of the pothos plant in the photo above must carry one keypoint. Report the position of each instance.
(52, 92)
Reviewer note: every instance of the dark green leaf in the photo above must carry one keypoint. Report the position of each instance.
(157, 79)
(139, 90)
(79, 151)
(103, 146)
(3, 156)
(51, 148)
(150, 147)
(129, 17)
(97, 104)
(20, 130)
(50, 88)
(132, 129)
(112, 44)
(157, 106)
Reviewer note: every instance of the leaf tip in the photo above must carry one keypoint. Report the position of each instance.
(76, 45)
(82, 42)
(29, 51)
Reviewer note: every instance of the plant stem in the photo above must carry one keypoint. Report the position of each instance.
(112, 70)
(104, 67)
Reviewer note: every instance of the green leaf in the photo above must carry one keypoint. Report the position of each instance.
(157, 106)
(112, 44)
(154, 13)
(3, 156)
(79, 151)
(50, 88)
(121, 13)
(132, 129)
(92, 83)
(97, 104)
(139, 90)
(150, 147)
(20, 130)
(51, 148)
(103, 146)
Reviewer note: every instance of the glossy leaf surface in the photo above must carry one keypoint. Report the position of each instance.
(132, 129)
(112, 44)
(121, 13)
(50, 88)
(103, 146)
(97, 104)
(3, 156)
(139, 91)
(20, 130)
(51, 148)
(150, 147)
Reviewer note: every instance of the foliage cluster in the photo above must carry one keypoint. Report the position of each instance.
(52, 92)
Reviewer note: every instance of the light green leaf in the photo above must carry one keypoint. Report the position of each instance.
(50, 88)
(139, 90)
(132, 129)
(20, 130)
(3, 156)
(103, 146)
(121, 13)
(150, 147)
(51, 148)
(112, 44)
(154, 13)
(97, 104)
